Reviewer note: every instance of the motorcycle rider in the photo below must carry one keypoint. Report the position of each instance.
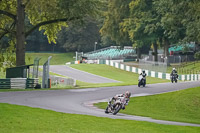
(174, 72)
(126, 96)
(144, 75)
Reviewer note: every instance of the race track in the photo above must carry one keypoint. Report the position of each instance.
(80, 101)
(79, 75)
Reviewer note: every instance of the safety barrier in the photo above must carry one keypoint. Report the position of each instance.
(188, 77)
(18, 83)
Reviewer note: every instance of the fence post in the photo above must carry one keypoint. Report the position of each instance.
(45, 77)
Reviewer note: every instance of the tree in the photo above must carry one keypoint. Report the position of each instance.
(197, 55)
(141, 25)
(179, 21)
(80, 38)
(117, 10)
(47, 15)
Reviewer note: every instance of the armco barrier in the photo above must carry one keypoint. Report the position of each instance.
(18, 83)
(189, 77)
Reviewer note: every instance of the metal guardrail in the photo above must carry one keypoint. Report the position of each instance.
(18, 83)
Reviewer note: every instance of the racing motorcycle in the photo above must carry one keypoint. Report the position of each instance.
(141, 81)
(114, 106)
(174, 78)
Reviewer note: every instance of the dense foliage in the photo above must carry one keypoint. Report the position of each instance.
(48, 16)
(75, 25)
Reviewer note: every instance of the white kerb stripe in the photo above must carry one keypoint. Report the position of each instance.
(122, 66)
(159, 75)
(153, 74)
(133, 69)
(127, 68)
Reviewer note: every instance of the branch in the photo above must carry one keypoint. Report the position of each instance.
(3, 34)
(27, 2)
(48, 22)
(6, 31)
(8, 14)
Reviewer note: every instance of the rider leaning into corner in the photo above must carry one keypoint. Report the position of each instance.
(126, 96)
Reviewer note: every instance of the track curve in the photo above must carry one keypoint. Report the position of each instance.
(80, 101)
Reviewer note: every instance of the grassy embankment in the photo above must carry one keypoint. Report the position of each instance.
(182, 68)
(186, 67)
(182, 106)
(125, 78)
(57, 58)
(179, 106)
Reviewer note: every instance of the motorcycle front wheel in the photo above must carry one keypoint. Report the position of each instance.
(139, 84)
(106, 111)
(117, 109)
(144, 85)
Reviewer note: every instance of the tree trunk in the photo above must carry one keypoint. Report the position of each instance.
(166, 48)
(166, 52)
(138, 53)
(155, 50)
(20, 37)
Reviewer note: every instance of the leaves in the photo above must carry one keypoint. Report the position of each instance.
(117, 11)
(47, 15)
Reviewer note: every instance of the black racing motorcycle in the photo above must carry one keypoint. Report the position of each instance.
(141, 81)
(174, 78)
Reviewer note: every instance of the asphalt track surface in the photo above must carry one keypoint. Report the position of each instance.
(79, 75)
(80, 101)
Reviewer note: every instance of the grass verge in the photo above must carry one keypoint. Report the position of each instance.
(182, 106)
(57, 58)
(126, 78)
(21, 119)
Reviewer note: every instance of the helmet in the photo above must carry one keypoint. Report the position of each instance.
(173, 69)
(143, 71)
(127, 94)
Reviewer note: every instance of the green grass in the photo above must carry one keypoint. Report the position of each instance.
(126, 78)
(182, 68)
(186, 68)
(182, 106)
(57, 58)
(21, 119)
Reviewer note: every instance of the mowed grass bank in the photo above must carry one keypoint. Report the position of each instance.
(21, 119)
(181, 106)
(126, 78)
(57, 58)
(186, 68)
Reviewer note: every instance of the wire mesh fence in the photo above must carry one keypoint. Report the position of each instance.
(153, 66)
(57, 80)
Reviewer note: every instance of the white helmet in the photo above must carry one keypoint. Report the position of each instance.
(174, 69)
(127, 94)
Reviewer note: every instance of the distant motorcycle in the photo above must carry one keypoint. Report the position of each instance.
(115, 106)
(174, 78)
(141, 81)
